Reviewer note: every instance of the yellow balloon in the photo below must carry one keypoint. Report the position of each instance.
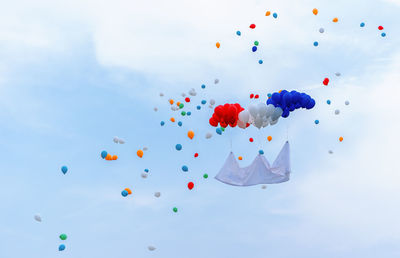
(191, 134)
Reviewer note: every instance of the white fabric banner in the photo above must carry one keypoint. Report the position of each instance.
(258, 172)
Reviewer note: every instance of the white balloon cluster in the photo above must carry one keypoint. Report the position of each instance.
(259, 115)
(118, 140)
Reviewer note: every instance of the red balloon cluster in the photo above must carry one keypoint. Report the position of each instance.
(190, 185)
(225, 115)
(326, 81)
(254, 96)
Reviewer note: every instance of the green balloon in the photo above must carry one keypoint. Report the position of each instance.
(256, 43)
(223, 129)
(183, 113)
(205, 176)
(181, 105)
(63, 236)
(175, 209)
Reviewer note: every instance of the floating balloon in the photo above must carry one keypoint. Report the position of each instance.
(240, 158)
(362, 24)
(209, 135)
(217, 44)
(383, 34)
(212, 102)
(325, 81)
(321, 30)
(187, 99)
(121, 141)
(196, 155)
(190, 185)
(330, 152)
(259, 115)
(315, 43)
(171, 101)
(38, 218)
(340, 138)
(216, 81)
(61, 247)
(108, 157)
(185, 168)
(183, 113)
(172, 119)
(139, 153)
(188, 113)
(256, 43)
(251, 95)
(115, 139)
(263, 187)
(124, 193)
(218, 131)
(328, 102)
(316, 121)
(64, 169)
(346, 102)
(161, 94)
(203, 102)
(63, 236)
(335, 19)
(155, 109)
(337, 111)
(144, 175)
(315, 11)
(162, 123)
(290, 101)
(205, 176)
(151, 248)
(181, 105)
(180, 123)
(268, 13)
(254, 49)
(238, 33)
(251, 140)
(175, 209)
(146, 170)
(338, 74)
(256, 96)
(192, 92)
(114, 157)
(380, 28)
(178, 147)
(128, 190)
(190, 134)
(261, 152)
(269, 138)
(145, 148)
(275, 15)
(225, 115)
(252, 26)
(103, 154)
(198, 107)
(203, 86)
(260, 61)
(157, 194)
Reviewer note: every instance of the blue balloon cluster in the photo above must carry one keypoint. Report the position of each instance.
(289, 101)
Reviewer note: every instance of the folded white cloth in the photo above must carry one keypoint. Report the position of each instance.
(258, 172)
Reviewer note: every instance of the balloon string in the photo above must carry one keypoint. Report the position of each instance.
(287, 132)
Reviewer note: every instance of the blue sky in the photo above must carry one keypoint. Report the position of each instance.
(77, 73)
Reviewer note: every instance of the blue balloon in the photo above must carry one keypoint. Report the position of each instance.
(185, 168)
(124, 193)
(287, 97)
(316, 121)
(315, 43)
(180, 123)
(238, 33)
(203, 101)
(162, 123)
(178, 147)
(61, 247)
(276, 97)
(285, 113)
(269, 95)
(328, 102)
(362, 24)
(275, 15)
(260, 61)
(383, 34)
(64, 169)
(254, 49)
(218, 131)
(203, 86)
(261, 152)
(198, 107)
(310, 104)
(104, 154)
(188, 113)
(146, 170)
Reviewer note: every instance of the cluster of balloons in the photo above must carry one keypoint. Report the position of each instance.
(260, 115)
(126, 192)
(107, 156)
(289, 101)
(225, 115)
(61, 247)
(118, 140)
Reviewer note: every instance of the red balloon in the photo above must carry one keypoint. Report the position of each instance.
(380, 28)
(196, 155)
(252, 26)
(251, 95)
(227, 114)
(256, 96)
(190, 185)
(187, 99)
(326, 81)
(251, 139)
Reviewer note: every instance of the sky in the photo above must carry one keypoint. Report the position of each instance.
(75, 74)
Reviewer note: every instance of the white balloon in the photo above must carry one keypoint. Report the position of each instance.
(157, 194)
(263, 187)
(145, 148)
(174, 108)
(151, 248)
(321, 30)
(262, 109)
(144, 175)
(337, 111)
(208, 135)
(121, 141)
(270, 110)
(38, 218)
(161, 94)
(216, 81)
(330, 152)
(183, 94)
(212, 102)
(277, 114)
(192, 92)
(244, 116)
(338, 74)
(346, 102)
(241, 124)
(155, 109)
(273, 122)
(253, 110)
(115, 139)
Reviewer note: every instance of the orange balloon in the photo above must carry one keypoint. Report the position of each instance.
(139, 153)
(178, 103)
(280, 91)
(114, 157)
(340, 138)
(108, 157)
(191, 134)
(269, 138)
(217, 44)
(171, 101)
(172, 119)
(128, 190)
(240, 158)
(315, 11)
(335, 19)
(268, 13)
